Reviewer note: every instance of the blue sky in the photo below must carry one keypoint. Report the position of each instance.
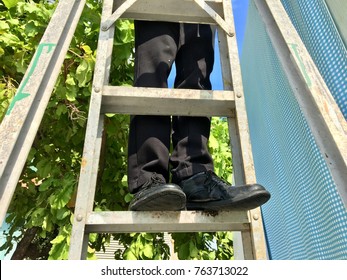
(240, 16)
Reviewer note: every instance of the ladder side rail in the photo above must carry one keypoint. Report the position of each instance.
(20, 125)
(325, 119)
(93, 140)
(244, 249)
(240, 128)
(87, 191)
(238, 246)
(241, 252)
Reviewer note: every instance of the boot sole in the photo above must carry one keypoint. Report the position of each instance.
(249, 202)
(163, 200)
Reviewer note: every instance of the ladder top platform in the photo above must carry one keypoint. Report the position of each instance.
(170, 10)
(189, 11)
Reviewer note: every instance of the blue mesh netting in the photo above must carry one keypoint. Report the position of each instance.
(316, 28)
(305, 218)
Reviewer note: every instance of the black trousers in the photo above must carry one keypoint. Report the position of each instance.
(157, 46)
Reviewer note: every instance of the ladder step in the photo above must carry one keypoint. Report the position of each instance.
(174, 102)
(167, 221)
(168, 10)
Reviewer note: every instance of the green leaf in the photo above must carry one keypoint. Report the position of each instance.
(213, 142)
(48, 148)
(84, 73)
(87, 49)
(148, 251)
(125, 32)
(70, 81)
(59, 239)
(71, 92)
(60, 199)
(183, 251)
(149, 236)
(31, 29)
(47, 224)
(38, 216)
(10, 3)
(4, 25)
(129, 255)
(128, 197)
(62, 213)
(46, 184)
(59, 250)
(44, 168)
(93, 237)
(61, 109)
(194, 252)
(32, 8)
(212, 255)
(10, 39)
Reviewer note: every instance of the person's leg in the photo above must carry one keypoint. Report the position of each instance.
(194, 64)
(190, 141)
(192, 163)
(156, 45)
(148, 150)
(149, 136)
(195, 57)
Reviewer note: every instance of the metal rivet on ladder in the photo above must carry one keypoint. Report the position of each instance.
(238, 94)
(96, 89)
(104, 27)
(79, 218)
(256, 217)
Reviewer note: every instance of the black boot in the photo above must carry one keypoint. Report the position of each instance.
(206, 191)
(156, 195)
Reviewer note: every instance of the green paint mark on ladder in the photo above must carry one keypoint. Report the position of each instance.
(301, 64)
(21, 94)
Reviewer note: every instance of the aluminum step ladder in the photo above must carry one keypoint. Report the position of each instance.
(23, 117)
(228, 103)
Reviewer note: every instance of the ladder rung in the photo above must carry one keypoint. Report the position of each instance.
(174, 102)
(167, 221)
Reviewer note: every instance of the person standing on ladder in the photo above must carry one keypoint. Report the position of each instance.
(194, 185)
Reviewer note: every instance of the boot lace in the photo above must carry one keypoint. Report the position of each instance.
(212, 181)
(154, 181)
